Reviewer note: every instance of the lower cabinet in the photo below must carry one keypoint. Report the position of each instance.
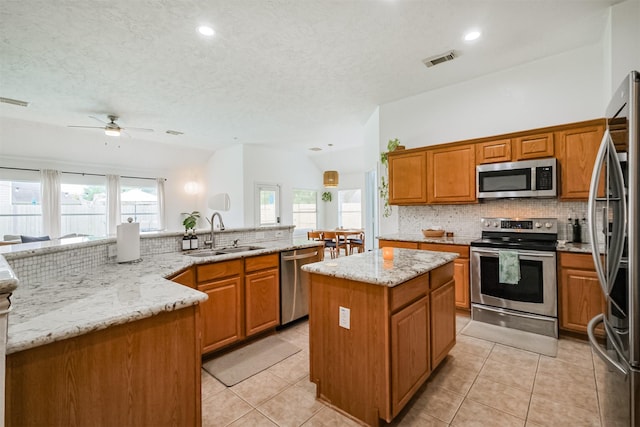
(410, 361)
(581, 297)
(244, 298)
(443, 322)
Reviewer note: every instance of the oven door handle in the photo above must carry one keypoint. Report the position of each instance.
(523, 253)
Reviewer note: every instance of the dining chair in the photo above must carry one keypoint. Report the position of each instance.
(333, 241)
(314, 235)
(356, 243)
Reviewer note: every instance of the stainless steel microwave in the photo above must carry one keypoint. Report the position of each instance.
(529, 178)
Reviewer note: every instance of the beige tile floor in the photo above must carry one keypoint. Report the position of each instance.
(481, 383)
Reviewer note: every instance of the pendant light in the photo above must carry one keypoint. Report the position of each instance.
(330, 178)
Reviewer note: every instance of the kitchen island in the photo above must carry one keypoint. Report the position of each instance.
(377, 328)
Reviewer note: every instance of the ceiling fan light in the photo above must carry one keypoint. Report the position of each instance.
(330, 178)
(112, 132)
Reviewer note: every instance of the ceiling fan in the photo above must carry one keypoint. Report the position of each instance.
(112, 128)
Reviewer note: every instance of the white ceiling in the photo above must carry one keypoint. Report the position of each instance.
(296, 73)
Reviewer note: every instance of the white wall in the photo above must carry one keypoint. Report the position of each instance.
(34, 145)
(225, 174)
(625, 41)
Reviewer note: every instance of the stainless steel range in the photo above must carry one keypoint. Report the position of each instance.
(526, 298)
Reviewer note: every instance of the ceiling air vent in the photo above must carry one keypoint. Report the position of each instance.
(175, 132)
(14, 102)
(439, 59)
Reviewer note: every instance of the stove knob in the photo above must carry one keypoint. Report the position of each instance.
(538, 225)
(496, 224)
(548, 224)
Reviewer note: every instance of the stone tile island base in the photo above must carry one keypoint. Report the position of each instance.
(397, 334)
(145, 372)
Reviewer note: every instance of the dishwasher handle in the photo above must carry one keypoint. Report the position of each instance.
(296, 256)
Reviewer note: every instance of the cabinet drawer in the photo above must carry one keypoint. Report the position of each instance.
(409, 291)
(573, 260)
(441, 275)
(261, 262)
(218, 270)
(463, 251)
(397, 244)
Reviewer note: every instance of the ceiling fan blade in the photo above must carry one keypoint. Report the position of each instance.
(100, 120)
(138, 129)
(86, 127)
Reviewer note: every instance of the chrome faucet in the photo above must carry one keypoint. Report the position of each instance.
(213, 217)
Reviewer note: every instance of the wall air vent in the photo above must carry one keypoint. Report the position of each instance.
(439, 59)
(14, 102)
(174, 132)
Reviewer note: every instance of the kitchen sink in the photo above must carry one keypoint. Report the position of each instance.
(223, 251)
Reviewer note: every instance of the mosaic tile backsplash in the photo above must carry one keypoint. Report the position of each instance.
(66, 262)
(464, 220)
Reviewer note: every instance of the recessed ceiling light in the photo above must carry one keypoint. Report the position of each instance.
(206, 31)
(472, 35)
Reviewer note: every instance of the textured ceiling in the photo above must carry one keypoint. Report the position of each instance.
(298, 73)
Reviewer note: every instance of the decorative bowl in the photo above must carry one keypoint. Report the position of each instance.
(433, 233)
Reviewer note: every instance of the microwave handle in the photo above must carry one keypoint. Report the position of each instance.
(534, 179)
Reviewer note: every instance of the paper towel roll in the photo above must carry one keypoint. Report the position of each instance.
(128, 242)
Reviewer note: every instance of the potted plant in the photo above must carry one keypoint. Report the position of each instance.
(190, 220)
(392, 145)
(326, 196)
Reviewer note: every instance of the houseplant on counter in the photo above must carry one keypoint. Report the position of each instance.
(392, 145)
(326, 196)
(190, 220)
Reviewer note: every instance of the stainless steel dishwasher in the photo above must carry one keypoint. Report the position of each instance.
(294, 283)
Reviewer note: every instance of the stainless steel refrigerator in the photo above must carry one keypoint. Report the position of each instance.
(614, 205)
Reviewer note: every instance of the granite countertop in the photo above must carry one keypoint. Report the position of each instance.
(369, 267)
(575, 247)
(419, 238)
(108, 295)
(8, 280)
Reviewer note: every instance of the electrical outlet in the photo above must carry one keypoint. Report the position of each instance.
(112, 251)
(345, 318)
(279, 233)
(259, 235)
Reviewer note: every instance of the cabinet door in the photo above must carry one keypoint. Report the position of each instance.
(533, 146)
(443, 322)
(577, 154)
(409, 351)
(461, 277)
(262, 301)
(581, 298)
(186, 278)
(451, 174)
(221, 314)
(493, 151)
(407, 181)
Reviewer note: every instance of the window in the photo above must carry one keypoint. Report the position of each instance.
(83, 207)
(268, 204)
(349, 209)
(305, 212)
(20, 208)
(139, 200)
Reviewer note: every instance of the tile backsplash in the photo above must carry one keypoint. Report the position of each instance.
(464, 220)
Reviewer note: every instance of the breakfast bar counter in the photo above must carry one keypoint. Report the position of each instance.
(377, 328)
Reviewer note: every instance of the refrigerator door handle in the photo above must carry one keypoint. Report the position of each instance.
(591, 210)
(598, 349)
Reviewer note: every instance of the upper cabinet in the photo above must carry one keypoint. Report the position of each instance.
(533, 146)
(493, 151)
(451, 174)
(407, 177)
(577, 150)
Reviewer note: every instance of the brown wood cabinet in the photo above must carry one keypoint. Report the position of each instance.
(580, 294)
(451, 174)
(142, 373)
(407, 177)
(244, 299)
(262, 293)
(222, 315)
(577, 150)
(373, 368)
(397, 244)
(533, 146)
(493, 151)
(186, 277)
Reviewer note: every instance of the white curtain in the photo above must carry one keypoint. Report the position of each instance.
(51, 209)
(113, 203)
(161, 203)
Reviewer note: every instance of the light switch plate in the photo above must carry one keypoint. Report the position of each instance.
(345, 318)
